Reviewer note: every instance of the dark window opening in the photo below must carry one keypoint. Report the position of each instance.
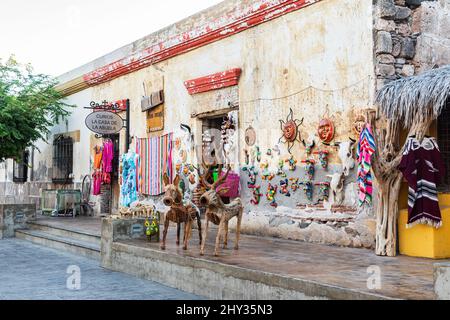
(20, 168)
(62, 160)
(443, 128)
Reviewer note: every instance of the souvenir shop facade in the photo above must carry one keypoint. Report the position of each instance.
(269, 87)
(277, 111)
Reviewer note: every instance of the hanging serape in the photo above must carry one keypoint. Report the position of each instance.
(366, 147)
(156, 159)
(422, 166)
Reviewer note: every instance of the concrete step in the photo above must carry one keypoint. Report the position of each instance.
(75, 246)
(64, 232)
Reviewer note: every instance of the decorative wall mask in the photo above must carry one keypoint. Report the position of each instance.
(270, 195)
(323, 158)
(256, 195)
(309, 168)
(324, 190)
(250, 136)
(359, 124)
(325, 130)
(294, 184)
(292, 163)
(290, 130)
(284, 185)
(309, 146)
(308, 188)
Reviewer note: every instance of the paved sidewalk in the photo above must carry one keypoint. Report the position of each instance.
(28, 271)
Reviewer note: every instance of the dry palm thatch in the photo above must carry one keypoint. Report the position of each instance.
(413, 103)
(415, 98)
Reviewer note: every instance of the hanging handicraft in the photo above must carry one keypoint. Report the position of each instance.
(325, 130)
(290, 130)
(294, 184)
(324, 190)
(308, 189)
(250, 136)
(284, 187)
(256, 195)
(292, 163)
(270, 195)
(309, 168)
(323, 158)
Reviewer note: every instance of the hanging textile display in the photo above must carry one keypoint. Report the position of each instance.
(156, 159)
(422, 166)
(365, 149)
(129, 182)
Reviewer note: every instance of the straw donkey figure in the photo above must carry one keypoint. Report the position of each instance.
(219, 213)
(179, 212)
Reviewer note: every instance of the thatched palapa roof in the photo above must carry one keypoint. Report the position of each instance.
(420, 96)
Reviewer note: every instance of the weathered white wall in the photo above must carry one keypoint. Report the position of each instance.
(317, 61)
(81, 149)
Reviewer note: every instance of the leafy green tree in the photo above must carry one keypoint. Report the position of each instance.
(29, 107)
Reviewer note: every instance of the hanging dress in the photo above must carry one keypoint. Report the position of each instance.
(128, 189)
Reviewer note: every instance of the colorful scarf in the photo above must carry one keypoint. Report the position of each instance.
(366, 147)
(156, 159)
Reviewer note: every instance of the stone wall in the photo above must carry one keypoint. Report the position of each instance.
(395, 40)
(431, 21)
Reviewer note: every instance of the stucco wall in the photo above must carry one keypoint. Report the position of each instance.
(317, 61)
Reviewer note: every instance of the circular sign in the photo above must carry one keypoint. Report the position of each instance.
(104, 122)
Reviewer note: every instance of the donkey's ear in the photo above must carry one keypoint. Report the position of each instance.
(166, 179)
(176, 181)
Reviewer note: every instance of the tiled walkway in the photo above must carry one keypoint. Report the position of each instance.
(29, 271)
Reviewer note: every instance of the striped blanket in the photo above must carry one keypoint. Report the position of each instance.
(156, 159)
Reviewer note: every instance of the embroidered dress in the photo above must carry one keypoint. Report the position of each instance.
(422, 167)
(128, 190)
(108, 155)
(366, 147)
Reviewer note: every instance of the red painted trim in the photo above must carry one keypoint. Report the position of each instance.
(213, 81)
(226, 26)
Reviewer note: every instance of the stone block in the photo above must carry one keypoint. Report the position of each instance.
(385, 58)
(408, 48)
(385, 70)
(402, 13)
(408, 70)
(386, 9)
(385, 25)
(384, 42)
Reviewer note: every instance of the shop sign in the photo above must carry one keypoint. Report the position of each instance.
(104, 122)
(117, 106)
(155, 119)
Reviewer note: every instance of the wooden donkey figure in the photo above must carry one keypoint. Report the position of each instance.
(220, 213)
(179, 212)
